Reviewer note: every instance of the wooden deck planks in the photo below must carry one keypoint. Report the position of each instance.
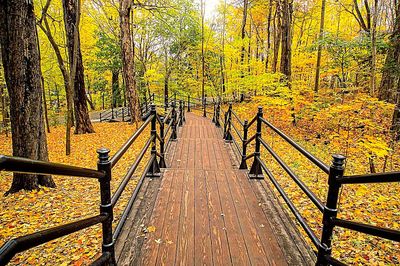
(206, 212)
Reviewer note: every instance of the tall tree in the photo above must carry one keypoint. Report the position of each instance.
(319, 52)
(44, 25)
(243, 35)
(286, 41)
(391, 69)
(71, 21)
(128, 57)
(20, 56)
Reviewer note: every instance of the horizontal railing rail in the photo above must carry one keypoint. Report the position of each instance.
(335, 173)
(175, 117)
(29, 166)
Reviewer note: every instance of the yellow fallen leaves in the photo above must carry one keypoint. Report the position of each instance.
(151, 229)
(73, 199)
(375, 204)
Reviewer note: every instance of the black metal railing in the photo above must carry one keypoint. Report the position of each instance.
(163, 128)
(236, 131)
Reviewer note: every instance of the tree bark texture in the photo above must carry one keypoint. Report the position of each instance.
(319, 52)
(286, 49)
(391, 70)
(128, 62)
(115, 89)
(20, 56)
(243, 35)
(71, 17)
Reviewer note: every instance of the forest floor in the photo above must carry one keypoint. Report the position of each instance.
(375, 204)
(76, 198)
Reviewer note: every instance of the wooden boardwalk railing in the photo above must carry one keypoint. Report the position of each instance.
(207, 211)
(204, 207)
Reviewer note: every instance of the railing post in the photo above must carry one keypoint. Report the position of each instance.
(330, 210)
(123, 114)
(205, 105)
(145, 103)
(214, 111)
(100, 116)
(106, 208)
(154, 170)
(243, 164)
(180, 122)
(255, 170)
(165, 103)
(228, 126)
(188, 107)
(162, 143)
(174, 135)
(217, 114)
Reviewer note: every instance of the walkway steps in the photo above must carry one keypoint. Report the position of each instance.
(207, 212)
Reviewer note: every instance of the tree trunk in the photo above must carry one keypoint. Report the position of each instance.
(319, 53)
(243, 35)
(45, 27)
(268, 35)
(373, 48)
(286, 49)
(128, 52)
(115, 88)
(277, 35)
(20, 55)
(71, 21)
(391, 70)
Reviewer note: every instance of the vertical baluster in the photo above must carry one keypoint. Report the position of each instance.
(214, 111)
(188, 103)
(255, 170)
(243, 164)
(174, 135)
(165, 103)
(154, 170)
(228, 134)
(330, 210)
(180, 122)
(205, 105)
(162, 144)
(104, 165)
(217, 114)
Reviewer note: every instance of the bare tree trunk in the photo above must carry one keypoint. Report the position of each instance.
(243, 35)
(374, 19)
(391, 69)
(319, 53)
(115, 88)
(222, 57)
(286, 49)
(268, 35)
(277, 35)
(20, 56)
(71, 21)
(128, 57)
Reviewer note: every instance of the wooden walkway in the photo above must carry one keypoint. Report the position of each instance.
(205, 210)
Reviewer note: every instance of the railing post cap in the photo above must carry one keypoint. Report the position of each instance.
(338, 159)
(153, 107)
(245, 121)
(103, 154)
(260, 109)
